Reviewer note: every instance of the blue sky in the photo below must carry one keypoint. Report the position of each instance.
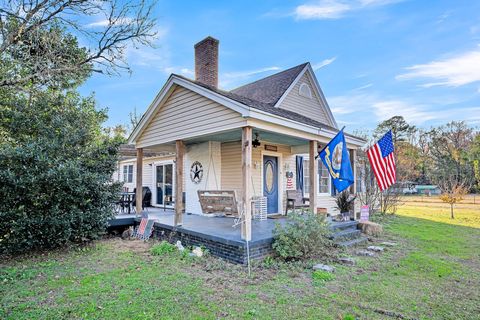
(373, 58)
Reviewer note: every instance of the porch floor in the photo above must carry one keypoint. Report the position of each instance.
(214, 228)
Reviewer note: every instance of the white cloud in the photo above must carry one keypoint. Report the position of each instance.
(368, 107)
(106, 22)
(454, 72)
(334, 9)
(322, 10)
(323, 63)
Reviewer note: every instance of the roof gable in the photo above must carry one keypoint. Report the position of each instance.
(270, 89)
(313, 106)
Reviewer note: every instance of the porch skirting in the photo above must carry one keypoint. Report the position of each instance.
(231, 250)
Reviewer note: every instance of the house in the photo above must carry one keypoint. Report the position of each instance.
(428, 190)
(258, 140)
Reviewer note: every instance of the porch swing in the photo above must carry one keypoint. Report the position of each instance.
(224, 202)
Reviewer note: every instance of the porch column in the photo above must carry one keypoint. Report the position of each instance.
(313, 175)
(179, 163)
(247, 182)
(139, 186)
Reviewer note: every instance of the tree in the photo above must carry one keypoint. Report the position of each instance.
(401, 130)
(56, 170)
(451, 169)
(453, 190)
(56, 160)
(39, 39)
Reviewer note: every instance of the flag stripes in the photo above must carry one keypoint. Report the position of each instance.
(382, 160)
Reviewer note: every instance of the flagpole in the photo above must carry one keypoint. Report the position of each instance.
(318, 153)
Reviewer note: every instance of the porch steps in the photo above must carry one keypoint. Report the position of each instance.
(346, 234)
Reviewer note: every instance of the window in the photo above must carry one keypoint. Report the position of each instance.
(128, 173)
(305, 91)
(323, 177)
(306, 176)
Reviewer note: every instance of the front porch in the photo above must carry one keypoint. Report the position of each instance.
(219, 235)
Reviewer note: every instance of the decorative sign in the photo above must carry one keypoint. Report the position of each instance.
(269, 147)
(196, 172)
(364, 213)
(289, 180)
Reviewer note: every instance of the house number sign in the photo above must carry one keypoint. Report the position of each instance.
(196, 172)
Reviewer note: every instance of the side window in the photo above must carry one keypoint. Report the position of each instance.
(128, 173)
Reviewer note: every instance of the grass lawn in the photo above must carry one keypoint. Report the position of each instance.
(432, 273)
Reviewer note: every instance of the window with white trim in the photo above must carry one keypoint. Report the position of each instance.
(305, 91)
(128, 173)
(324, 181)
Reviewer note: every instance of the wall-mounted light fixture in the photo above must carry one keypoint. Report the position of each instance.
(256, 142)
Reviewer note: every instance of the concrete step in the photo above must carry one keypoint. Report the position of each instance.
(345, 234)
(353, 242)
(338, 226)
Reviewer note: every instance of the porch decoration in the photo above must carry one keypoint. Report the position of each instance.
(145, 229)
(336, 158)
(196, 172)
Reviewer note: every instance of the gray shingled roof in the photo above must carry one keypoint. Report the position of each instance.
(270, 89)
(263, 94)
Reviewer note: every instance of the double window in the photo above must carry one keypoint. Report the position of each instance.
(324, 181)
(128, 173)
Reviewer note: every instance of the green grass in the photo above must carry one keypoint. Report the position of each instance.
(432, 273)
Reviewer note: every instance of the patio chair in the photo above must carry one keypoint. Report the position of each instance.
(145, 229)
(296, 200)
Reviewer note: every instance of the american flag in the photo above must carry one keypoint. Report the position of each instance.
(382, 160)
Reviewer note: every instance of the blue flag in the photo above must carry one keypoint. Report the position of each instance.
(336, 159)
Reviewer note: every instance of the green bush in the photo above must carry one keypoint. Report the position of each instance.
(322, 276)
(302, 237)
(163, 248)
(55, 171)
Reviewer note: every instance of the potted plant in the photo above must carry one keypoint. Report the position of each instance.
(344, 202)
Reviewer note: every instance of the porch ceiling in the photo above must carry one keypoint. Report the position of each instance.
(236, 135)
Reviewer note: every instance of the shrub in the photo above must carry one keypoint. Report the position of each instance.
(55, 171)
(163, 248)
(302, 237)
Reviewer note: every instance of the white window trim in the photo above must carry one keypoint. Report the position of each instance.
(125, 178)
(154, 182)
(307, 157)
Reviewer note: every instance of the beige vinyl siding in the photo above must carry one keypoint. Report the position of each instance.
(186, 114)
(310, 107)
(232, 168)
(231, 178)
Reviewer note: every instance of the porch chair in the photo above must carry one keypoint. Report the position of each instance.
(296, 200)
(145, 229)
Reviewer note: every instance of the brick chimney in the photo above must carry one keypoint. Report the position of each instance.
(206, 62)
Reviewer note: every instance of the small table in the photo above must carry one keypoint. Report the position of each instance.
(127, 199)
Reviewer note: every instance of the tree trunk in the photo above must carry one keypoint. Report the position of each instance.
(451, 211)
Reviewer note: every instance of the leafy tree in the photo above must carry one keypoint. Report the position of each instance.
(401, 130)
(56, 160)
(451, 169)
(39, 39)
(56, 171)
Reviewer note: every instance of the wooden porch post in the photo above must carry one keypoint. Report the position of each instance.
(139, 186)
(313, 175)
(179, 157)
(247, 182)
